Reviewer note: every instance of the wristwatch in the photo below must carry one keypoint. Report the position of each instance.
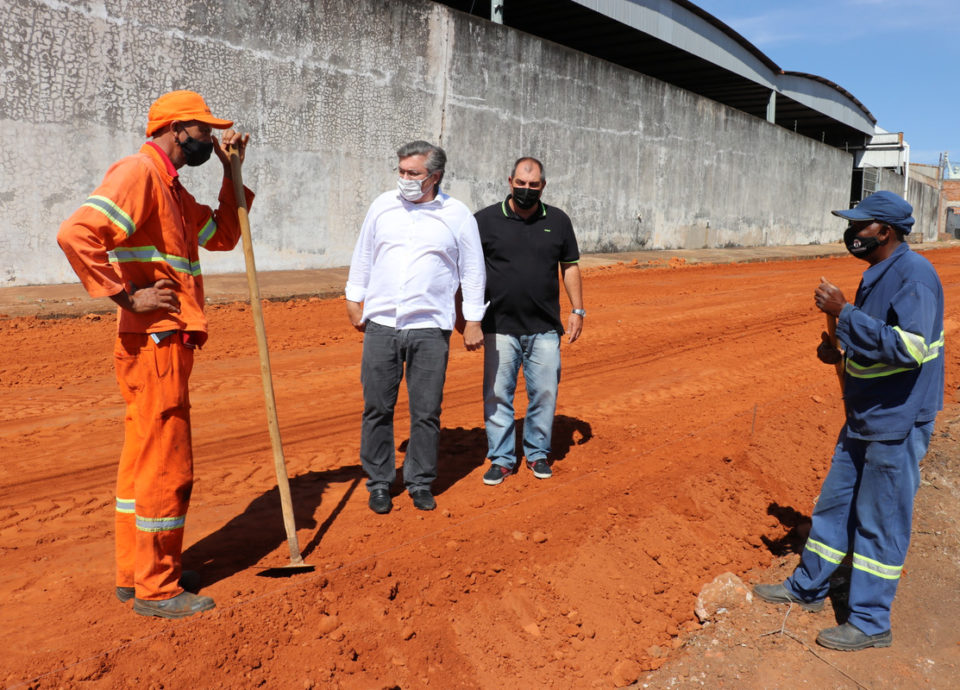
(580, 312)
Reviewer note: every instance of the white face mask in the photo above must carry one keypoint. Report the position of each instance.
(411, 190)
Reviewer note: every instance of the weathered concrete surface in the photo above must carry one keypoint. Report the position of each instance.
(620, 146)
(330, 88)
(925, 199)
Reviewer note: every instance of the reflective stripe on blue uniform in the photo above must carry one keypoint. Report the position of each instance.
(893, 339)
(865, 509)
(893, 389)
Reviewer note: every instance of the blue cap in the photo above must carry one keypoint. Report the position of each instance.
(885, 207)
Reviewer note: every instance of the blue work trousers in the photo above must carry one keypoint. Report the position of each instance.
(865, 505)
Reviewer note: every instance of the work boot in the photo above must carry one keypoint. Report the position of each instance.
(849, 638)
(189, 580)
(779, 594)
(183, 605)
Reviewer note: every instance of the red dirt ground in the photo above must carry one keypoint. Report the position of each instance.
(694, 429)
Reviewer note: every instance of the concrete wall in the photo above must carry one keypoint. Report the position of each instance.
(329, 88)
(930, 173)
(924, 198)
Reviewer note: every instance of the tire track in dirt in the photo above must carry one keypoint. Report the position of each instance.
(698, 428)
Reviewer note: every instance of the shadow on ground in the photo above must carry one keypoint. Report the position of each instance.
(798, 525)
(792, 543)
(246, 539)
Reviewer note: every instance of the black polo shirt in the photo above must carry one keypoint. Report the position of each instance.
(522, 258)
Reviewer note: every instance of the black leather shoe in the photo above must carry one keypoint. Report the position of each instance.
(779, 594)
(380, 501)
(189, 580)
(183, 605)
(849, 638)
(423, 499)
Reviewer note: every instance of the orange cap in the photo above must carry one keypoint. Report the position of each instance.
(183, 106)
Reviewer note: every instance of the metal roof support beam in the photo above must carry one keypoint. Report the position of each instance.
(686, 27)
(677, 42)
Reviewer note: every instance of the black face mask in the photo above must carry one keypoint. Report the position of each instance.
(196, 152)
(860, 247)
(524, 197)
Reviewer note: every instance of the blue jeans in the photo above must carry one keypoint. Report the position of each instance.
(865, 506)
(503, 355)
(387, 352)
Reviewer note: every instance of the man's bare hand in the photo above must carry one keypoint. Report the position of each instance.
(355, 314)
(230, 138)
(472, 335)
(160, 295)
(574, 327)
(826, 352)
(828, 297)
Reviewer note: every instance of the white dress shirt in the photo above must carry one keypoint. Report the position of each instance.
(410, 258)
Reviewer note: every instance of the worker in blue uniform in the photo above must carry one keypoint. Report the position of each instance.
(892, 339)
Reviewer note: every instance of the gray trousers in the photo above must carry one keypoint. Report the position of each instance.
(423, 352)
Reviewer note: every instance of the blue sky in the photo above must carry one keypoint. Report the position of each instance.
(900, 58)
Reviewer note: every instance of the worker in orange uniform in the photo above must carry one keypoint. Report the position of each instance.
(136, 240)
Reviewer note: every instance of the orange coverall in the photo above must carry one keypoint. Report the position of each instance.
(140, 226)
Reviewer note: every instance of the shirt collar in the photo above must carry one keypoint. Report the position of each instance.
(872, 274)
(510, 213)
(160, 157)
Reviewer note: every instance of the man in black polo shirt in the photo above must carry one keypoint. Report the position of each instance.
(524, 241)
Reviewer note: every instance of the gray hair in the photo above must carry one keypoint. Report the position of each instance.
(436, 157)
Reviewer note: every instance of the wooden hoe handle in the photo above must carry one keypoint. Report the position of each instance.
(832, 333)
(280, 465)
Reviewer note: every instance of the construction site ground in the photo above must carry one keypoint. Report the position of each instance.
(694, 428)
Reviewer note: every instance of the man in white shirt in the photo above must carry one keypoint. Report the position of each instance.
(417, 246)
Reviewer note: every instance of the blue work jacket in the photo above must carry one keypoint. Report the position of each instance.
(893, 341)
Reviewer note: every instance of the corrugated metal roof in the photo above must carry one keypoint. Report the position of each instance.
(679, 43)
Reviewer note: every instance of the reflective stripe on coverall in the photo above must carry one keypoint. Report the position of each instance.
(156, 464)
(140, 226)
(893, 336)
(865, 507)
